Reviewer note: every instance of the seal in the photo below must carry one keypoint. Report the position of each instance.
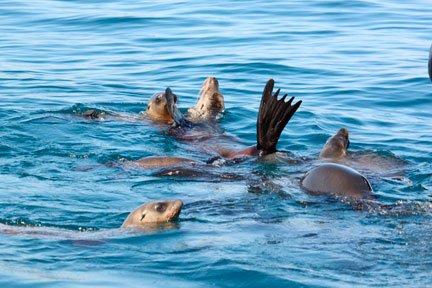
(147, 217)
(153, 213)
(162, 108)
(210, 104)
(274, 114)
(336, 146)
(337, 180)
(336, 150)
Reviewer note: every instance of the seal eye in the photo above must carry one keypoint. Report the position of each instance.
(160, 207)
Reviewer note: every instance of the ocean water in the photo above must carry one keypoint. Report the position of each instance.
(355, 64)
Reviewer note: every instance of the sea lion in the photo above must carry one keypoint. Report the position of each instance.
(430, 64)
(337, 145)
(153, 213)
(336, 150)
(199, 124)
(337, 180)
(162, 108)
(147, 217)
(210, 102)
(274, 114)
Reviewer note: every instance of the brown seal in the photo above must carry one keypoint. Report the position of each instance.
(210, 103)
(336, 150)
(162, 108)
(147, 217)
(336, 146)
(153, 213)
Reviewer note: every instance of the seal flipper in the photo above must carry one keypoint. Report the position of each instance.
(273, 116)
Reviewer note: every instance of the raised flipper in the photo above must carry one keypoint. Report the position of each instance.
(273, 116)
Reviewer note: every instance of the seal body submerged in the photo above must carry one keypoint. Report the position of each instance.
(147, 217)
(336, 146)
(337, 180)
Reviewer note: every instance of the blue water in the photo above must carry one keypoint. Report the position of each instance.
(355, 64)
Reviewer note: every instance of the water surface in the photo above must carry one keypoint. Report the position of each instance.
(357, 64)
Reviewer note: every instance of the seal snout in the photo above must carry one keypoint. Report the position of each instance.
(212, 81)
(175, 210)
(343, 132)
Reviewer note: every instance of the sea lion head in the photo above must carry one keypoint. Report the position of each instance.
(337, 145)
(162, 107)
(153, 213)
(210, 103)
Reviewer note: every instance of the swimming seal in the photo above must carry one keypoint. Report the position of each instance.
(336, 150)
(210, 103)
(147, 217)
(153, 213)
(337, 180)
(336, 146)
(162, 108)
(274, 114)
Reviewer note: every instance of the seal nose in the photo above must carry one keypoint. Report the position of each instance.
(178, 204)
(175, 210)
(212, 80)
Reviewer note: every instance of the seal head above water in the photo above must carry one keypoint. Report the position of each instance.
(153, 213)
(162, 108)
(336, 146)
(210, 103)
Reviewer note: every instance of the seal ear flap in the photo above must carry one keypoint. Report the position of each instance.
(273, 116)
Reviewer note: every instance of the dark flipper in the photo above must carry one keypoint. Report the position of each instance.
(430, 63)
(273, 116)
